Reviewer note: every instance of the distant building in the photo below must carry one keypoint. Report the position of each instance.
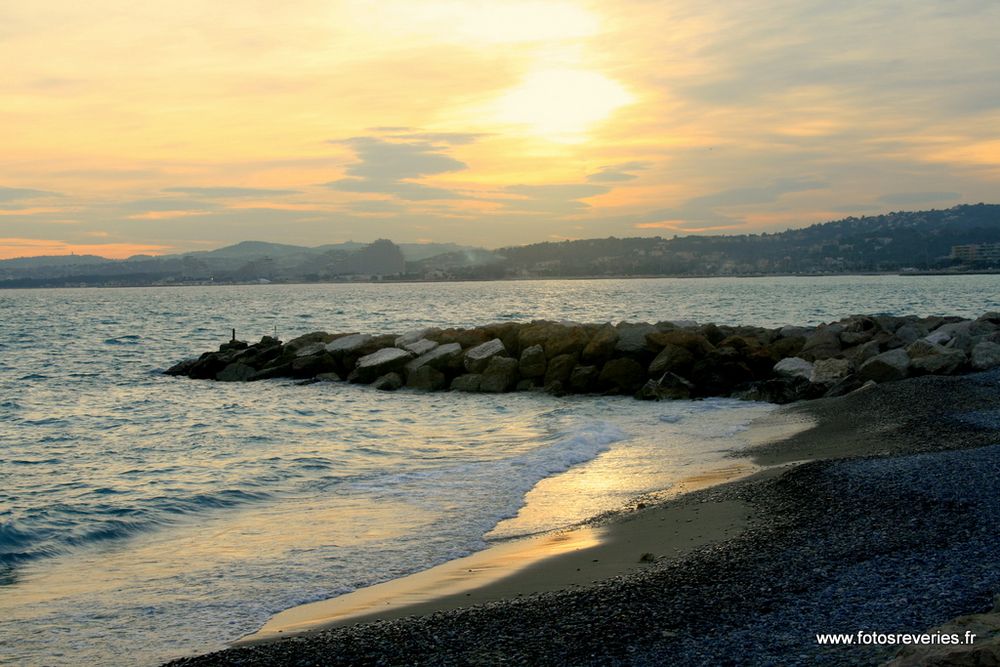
(976, 252)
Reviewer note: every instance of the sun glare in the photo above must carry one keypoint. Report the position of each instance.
(561, 104)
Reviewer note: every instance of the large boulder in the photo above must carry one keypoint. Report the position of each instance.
(623, 375)
(669, 386)
(583, 379)
(411, 337)
(886, 367)
(532, 364)
(386, 360)
(440, 358)
(794, 367)
(822, 344)
(601, 345)
(559, 369)
(478, 358)
(570, 340)
(695, 343)
(418, 347)
(426, 378)
(236, 372)
(467, 382)
(986, 355)
(632, 337)
(928, 358)
(671, 359)
(314, 364)
(500, 375)
(320, 337)
(348, 345)
(388, 382)
(828, 372)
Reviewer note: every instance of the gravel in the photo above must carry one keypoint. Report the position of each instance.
(894, 542)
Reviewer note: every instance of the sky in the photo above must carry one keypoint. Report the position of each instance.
(156, 127)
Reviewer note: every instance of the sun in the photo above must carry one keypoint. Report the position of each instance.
(561, 104)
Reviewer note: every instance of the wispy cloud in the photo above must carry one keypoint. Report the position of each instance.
(618, 173)
(230, 192)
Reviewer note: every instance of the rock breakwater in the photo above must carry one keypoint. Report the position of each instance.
(665, 360)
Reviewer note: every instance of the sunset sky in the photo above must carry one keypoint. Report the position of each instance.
(158, 127)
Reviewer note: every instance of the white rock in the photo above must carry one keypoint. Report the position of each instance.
(478, 357)
(419, 347)
(348, 344)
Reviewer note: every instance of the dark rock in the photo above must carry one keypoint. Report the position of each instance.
(986, 355)
(886, 367)
(695, 343)
(313, 365)
(786, 347)
(234, 345)
(929, 358)
(559, 369)
(426, 378)
(500, 375)
(632, 337)
(671, 359)
(623, 375)
(844, 386)
(572, 341)
(823, 344)
(713, 333)
(468, 382)
(780, 390)
(277, 370)
(236, 372)
(670, 386)
(532, 362)
(527, 384)
(182, 368)
(601, 345)
(466, 338)
(388, 382)
(719, 376)
(583, 379)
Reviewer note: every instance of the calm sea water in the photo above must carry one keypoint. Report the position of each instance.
(145, 517)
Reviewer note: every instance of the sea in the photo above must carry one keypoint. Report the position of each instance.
(146, 517)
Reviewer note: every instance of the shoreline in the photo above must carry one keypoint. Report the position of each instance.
(819, 544)
(602, 547)
(417, 281)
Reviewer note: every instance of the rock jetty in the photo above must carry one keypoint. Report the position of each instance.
(665, 360)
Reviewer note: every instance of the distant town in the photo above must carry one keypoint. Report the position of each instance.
(957, 240)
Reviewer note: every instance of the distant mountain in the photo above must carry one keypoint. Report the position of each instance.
(899, 241)
(892, 242)
(51, 260)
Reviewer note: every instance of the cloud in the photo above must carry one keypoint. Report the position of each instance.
(453, 138)
(553, 198)
(913, 198)
(22, 194)
(167, 204)
(702, 213)
(226, 192)
(617, 173)
(389, 167)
